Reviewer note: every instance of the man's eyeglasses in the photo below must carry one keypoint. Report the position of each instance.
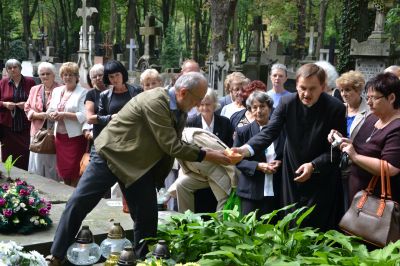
(374, 98)
(98, 76)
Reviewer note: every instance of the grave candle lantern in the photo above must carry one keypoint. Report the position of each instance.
(84, 251)
(115, 241)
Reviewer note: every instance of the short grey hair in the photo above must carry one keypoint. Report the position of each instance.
(260, 96)
(212, 95)
(48, 66)
(331, 73)
(190, 81)
(13, 62)
(279, 66)
(95, 69)
(150, 73)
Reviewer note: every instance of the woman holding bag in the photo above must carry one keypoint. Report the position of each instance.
(378, 138)
(67, 109)
(35, 109)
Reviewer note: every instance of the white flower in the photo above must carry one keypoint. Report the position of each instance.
(12, 254)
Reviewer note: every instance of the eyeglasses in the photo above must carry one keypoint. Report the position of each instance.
(261, 107)
(45, 74)
(374, 98)
(198, 98)
(69, 75)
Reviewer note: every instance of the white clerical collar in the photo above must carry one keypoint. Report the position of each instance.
(206, 127)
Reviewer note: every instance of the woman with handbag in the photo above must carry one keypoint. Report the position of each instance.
(378, 138)
(35, 109)
(67, 109)
(14, 126)
(351, 85)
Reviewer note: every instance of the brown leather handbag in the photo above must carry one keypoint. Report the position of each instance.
(43, 141)
(375, 219)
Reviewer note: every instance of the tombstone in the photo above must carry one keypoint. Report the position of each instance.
(50, 55)
(210, 77)
(108, 47)
(132, 56)
(254, 69)
(149, 31)
(84, 60)
(27, 69)
(375, 54)
(91, 45)
(275, 53)
(312, 34)
(220, 71)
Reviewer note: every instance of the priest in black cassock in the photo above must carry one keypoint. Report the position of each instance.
(310, 174)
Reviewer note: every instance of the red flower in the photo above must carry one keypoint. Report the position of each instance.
(23, 192)
(2, 202)
(7, 212)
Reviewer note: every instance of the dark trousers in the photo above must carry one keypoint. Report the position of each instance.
(96, 180)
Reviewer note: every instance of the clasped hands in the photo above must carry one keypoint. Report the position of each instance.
(269, 168)
(11, 105)
(57, 116)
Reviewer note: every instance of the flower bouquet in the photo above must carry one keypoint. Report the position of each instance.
(12, 254)
(22, 210)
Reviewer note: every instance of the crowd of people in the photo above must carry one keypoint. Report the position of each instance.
(135, 133)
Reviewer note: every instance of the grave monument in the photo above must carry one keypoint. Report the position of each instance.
(149, 31)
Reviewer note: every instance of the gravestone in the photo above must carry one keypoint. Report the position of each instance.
(220, 71)
(149, 31)
(210, 74)
(99, 220)
(254, 69)
(275, 54)
(27, 69)
(312, 34)
(375, 54)
(132, 56)
(107, 47)
(50, 55)
(84, 61)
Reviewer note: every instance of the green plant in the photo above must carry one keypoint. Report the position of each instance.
(249, 241)
(17, 50)
(9, 163)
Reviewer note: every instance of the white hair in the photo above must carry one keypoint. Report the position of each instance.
(48, 66)
(331, 73)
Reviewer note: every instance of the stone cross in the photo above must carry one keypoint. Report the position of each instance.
(149, 31)
(311, 35)
(131, 46)
(91, 34)
(221, 68)
(257, 28)
(43, 37)
(210, 73)
(107, 46)
(85, 12)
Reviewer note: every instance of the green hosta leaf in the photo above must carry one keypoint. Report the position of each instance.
(245, 247)
(304, 215)
(233, 250)
(212, 262)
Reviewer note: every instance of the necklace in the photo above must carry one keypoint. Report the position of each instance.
(372, 134)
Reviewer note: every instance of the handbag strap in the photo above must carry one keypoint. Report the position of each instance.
(388, 183)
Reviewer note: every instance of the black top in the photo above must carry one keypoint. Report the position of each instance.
(94, 96)
(306, 131)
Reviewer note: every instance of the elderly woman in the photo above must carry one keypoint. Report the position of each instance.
(67, 109)
(350, 85)
(14, 126)
(379, 136)
(35, 108)
(96, 74)
(260, 175)
(331, 76)
(150, 79)
(208, 120)
(245, 116)
(234, 83)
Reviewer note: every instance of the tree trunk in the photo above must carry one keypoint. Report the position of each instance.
(301, 29)
(130, 26)
(65, 24)
(2, 31)
(27, 16)
(321, 26)
(220, 11)
(113, 20)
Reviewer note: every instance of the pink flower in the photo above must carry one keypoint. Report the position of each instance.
(7, 213)
(19, 182)
(2, 202)
(23, 192)
(5, 187)
(31, 201)
(48, 206)
(43, 211)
